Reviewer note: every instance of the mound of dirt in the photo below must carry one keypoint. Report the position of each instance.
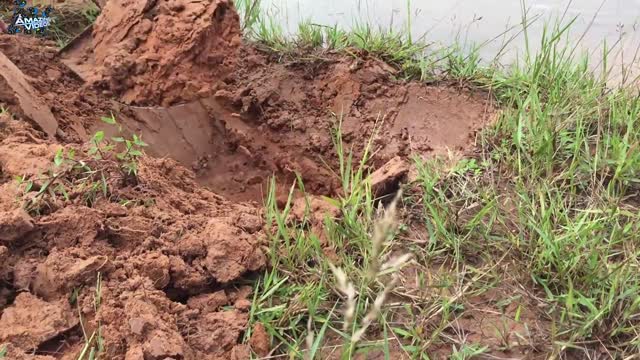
(174, 243)
(162, 52)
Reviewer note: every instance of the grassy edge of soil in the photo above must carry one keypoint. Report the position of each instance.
(544, 214)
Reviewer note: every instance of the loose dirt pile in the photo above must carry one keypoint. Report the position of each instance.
(171, 255)
(166, 262)
(163, 52)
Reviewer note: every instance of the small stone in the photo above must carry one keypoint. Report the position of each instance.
(30, 321)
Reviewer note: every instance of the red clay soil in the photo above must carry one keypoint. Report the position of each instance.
(283, 116)
(168, 263)
(73, 106)
(273, 118)
(163, 52)
(255, 117)
(173, 259)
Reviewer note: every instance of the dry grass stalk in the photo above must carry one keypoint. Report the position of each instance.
(383, 229)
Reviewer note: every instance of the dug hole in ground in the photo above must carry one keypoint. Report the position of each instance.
(160, 264)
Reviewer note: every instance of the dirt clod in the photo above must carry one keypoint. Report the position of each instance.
(259, 341)
(225, 251)
(161, 347)
(165, 51)
(385, 180)
(156, 267)
(138, 325)
(222, 331)
(208, 302)
(64, 270)
(31, 321)
(14, 225)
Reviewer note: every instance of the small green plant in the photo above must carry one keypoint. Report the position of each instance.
(87, 176)
(468, 351)
(3, 352)
(127, 157)
(467, 166)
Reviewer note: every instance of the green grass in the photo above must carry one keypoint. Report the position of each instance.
(414, 58)
(302, 273)
(547, 212)
(396, 48)
(69, 18)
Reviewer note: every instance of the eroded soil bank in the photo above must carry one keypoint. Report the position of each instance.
(176, 251)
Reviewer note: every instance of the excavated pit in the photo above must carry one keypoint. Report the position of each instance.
(236, 118)
(219, 124)
(273, 119)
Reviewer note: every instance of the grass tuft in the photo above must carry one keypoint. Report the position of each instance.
(70, 19)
